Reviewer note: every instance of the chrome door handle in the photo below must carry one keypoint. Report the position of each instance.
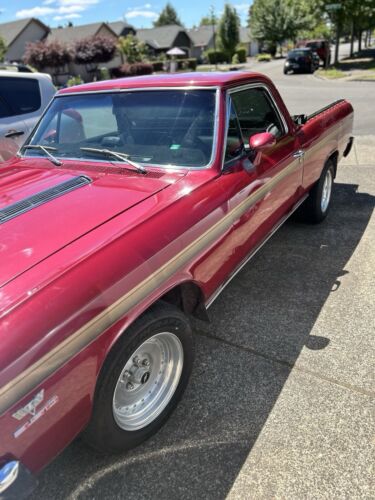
(299, 154)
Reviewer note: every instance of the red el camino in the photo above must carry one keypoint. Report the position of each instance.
(131, 206)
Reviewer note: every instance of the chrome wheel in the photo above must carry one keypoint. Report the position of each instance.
(326, 191)
(148, 381)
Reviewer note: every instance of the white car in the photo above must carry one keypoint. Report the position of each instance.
(23, 98)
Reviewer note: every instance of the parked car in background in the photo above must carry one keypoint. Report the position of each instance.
(320, 46)
(23, 98)
(300, 60)
(17, 67)
(128, 210)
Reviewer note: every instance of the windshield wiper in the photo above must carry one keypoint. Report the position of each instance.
(121, 156)
(46, 150)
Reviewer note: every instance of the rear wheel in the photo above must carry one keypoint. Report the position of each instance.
(142, 380)
(316, 207)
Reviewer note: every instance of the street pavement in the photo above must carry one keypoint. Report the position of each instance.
(307, 93)
(281, 400)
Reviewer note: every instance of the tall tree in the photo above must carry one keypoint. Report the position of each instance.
(277, 20)
(168, 16)
(229, 31)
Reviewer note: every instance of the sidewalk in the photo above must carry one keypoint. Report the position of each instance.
(363, 151)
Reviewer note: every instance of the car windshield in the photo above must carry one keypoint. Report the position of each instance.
(158, 127)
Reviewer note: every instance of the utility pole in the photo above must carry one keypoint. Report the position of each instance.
(213, 24)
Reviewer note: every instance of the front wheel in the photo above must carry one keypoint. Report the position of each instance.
(142, 380)
(317, 205)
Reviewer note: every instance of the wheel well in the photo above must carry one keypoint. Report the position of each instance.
(334, 158)
(189, 298)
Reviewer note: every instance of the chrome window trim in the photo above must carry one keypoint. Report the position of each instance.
(272, 99)
(228, 101)
(166, 167)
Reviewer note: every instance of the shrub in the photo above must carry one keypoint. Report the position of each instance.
(104, 74)
(241, 52)
(158, 65)
(135, 69)
(133, 49)
(235, 59)
(74, 80)
(264, 57)
(190, 63)
(44, 54)
(94, 50)
(215, 56)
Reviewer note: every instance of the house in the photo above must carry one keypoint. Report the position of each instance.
(18, 33)
(252, 46)
(203, 39)
(121, 28)
(160, 40)
(71, 34)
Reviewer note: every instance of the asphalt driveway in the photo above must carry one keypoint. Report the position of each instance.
(281, 402)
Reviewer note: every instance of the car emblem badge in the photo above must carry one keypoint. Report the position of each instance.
(34, 411)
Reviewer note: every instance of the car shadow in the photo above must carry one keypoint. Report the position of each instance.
(260, 324)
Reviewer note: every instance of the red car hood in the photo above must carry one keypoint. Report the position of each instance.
(32, 235)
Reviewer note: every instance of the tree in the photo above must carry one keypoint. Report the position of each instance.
(208, 20)
(3, 48)
(47, 54)
(274, 21)
(133, 50)
(167, 16)
(229, 31)
(94, 50)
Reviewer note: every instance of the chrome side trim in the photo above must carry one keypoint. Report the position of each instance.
(253, 252)
(32, 376)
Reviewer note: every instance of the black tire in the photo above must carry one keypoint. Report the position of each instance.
(103, 433)
(285, 71)
(311, 210)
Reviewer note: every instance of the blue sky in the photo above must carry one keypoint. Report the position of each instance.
(140, 13)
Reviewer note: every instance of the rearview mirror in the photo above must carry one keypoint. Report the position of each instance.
(261, 141)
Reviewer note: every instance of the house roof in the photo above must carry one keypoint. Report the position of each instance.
(73, 33)
(202, 35)
(11, 31)
(162, 37)
(119, 26)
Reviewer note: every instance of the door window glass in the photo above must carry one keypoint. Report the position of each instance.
(256, 113)
(22, 95)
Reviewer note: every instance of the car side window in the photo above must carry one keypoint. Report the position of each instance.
(22, 95)
(5, 111)
(256, 113)
(234, 142)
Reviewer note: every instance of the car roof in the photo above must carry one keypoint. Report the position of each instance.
(196, 79)
(17, 74)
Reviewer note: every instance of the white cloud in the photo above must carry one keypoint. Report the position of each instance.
(58, 8)
(131, 14)
(35, 12)
(67, 16)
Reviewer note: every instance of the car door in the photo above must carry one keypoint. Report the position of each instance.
(265, 185)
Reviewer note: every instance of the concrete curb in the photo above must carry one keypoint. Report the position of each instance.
(363, 151)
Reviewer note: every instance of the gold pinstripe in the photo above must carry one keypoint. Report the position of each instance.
(49, 363)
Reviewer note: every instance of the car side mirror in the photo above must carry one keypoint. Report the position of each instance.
(258, 142)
